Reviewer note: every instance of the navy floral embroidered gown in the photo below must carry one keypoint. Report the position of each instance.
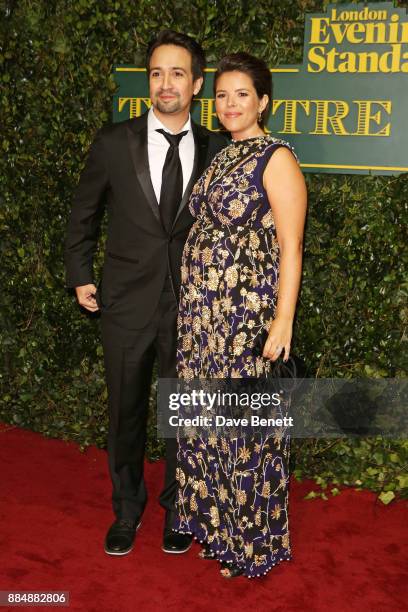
(232, 493)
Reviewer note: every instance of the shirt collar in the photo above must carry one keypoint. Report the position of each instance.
(153, 123)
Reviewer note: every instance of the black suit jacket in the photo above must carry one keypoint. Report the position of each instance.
(139, 253)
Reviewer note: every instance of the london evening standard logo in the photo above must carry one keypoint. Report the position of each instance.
(339, 41)
(343, 108)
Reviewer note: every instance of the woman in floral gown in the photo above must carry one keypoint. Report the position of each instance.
(241, 271)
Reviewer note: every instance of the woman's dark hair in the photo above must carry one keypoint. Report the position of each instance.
(255, 68)
(170, 37)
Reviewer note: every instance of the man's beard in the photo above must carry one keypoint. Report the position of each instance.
(168, 107)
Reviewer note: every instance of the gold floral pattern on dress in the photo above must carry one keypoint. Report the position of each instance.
(215, 519)
(233, 494)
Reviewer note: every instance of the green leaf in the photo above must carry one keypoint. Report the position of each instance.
(310, 495)
(386, 497)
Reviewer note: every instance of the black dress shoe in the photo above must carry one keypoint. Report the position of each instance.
(173, 542)
(120, 537)
(176, 543)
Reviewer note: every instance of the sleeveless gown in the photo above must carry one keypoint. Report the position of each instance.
(232, 493)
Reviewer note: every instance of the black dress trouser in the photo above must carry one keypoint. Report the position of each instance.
(129, 359)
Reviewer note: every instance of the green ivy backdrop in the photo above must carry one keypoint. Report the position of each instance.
(56, 61)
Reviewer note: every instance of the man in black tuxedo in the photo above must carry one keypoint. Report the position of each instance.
(142, 171)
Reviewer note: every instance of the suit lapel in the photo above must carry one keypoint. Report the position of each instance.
(137, 141)
(200, 157)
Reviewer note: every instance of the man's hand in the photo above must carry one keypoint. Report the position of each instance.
(85, 295)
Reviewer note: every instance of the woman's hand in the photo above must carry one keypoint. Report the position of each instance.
(279, 338)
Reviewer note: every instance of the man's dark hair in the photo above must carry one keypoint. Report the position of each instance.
(170, 37)
(255, 68)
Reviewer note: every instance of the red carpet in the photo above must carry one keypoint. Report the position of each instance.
(349, 552)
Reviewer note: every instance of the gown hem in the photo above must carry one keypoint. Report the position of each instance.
(246, 574)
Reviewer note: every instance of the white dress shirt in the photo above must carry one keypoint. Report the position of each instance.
(157, 147)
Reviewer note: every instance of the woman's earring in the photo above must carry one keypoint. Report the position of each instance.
(259, 117)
